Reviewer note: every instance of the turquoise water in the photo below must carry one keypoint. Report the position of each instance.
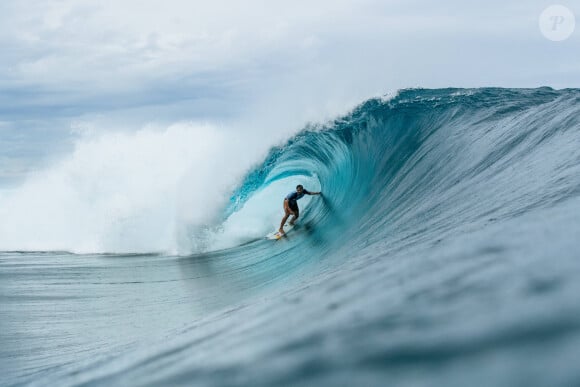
(444, 251)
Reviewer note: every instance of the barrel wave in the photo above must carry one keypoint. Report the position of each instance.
(443, 251)
(429, 162)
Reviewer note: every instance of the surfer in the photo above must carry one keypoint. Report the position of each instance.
(291, 205)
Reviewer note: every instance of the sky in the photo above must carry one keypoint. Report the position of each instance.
(74, 66)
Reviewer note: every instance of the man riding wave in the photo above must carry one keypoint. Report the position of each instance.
(291, 205)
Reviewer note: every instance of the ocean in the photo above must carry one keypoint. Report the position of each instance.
(444, 251)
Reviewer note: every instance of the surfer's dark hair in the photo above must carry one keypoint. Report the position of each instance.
(299, 186)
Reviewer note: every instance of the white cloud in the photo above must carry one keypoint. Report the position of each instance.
(129, 41)
(306, 60)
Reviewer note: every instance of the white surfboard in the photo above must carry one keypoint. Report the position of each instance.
(276, 235)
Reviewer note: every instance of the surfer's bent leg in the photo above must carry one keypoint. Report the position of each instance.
(281, 230)
(295, 216)
(287, 213)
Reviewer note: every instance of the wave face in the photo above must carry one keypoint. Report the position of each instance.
(430, 163)
(444, 251)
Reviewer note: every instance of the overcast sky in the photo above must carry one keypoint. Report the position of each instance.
(126, 63)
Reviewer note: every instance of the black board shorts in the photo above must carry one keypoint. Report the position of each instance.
(293, 205)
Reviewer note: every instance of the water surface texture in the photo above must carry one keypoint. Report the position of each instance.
(444, 252)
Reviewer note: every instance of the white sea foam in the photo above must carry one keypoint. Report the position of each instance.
(129, 192)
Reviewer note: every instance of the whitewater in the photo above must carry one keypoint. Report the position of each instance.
(444, 251)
